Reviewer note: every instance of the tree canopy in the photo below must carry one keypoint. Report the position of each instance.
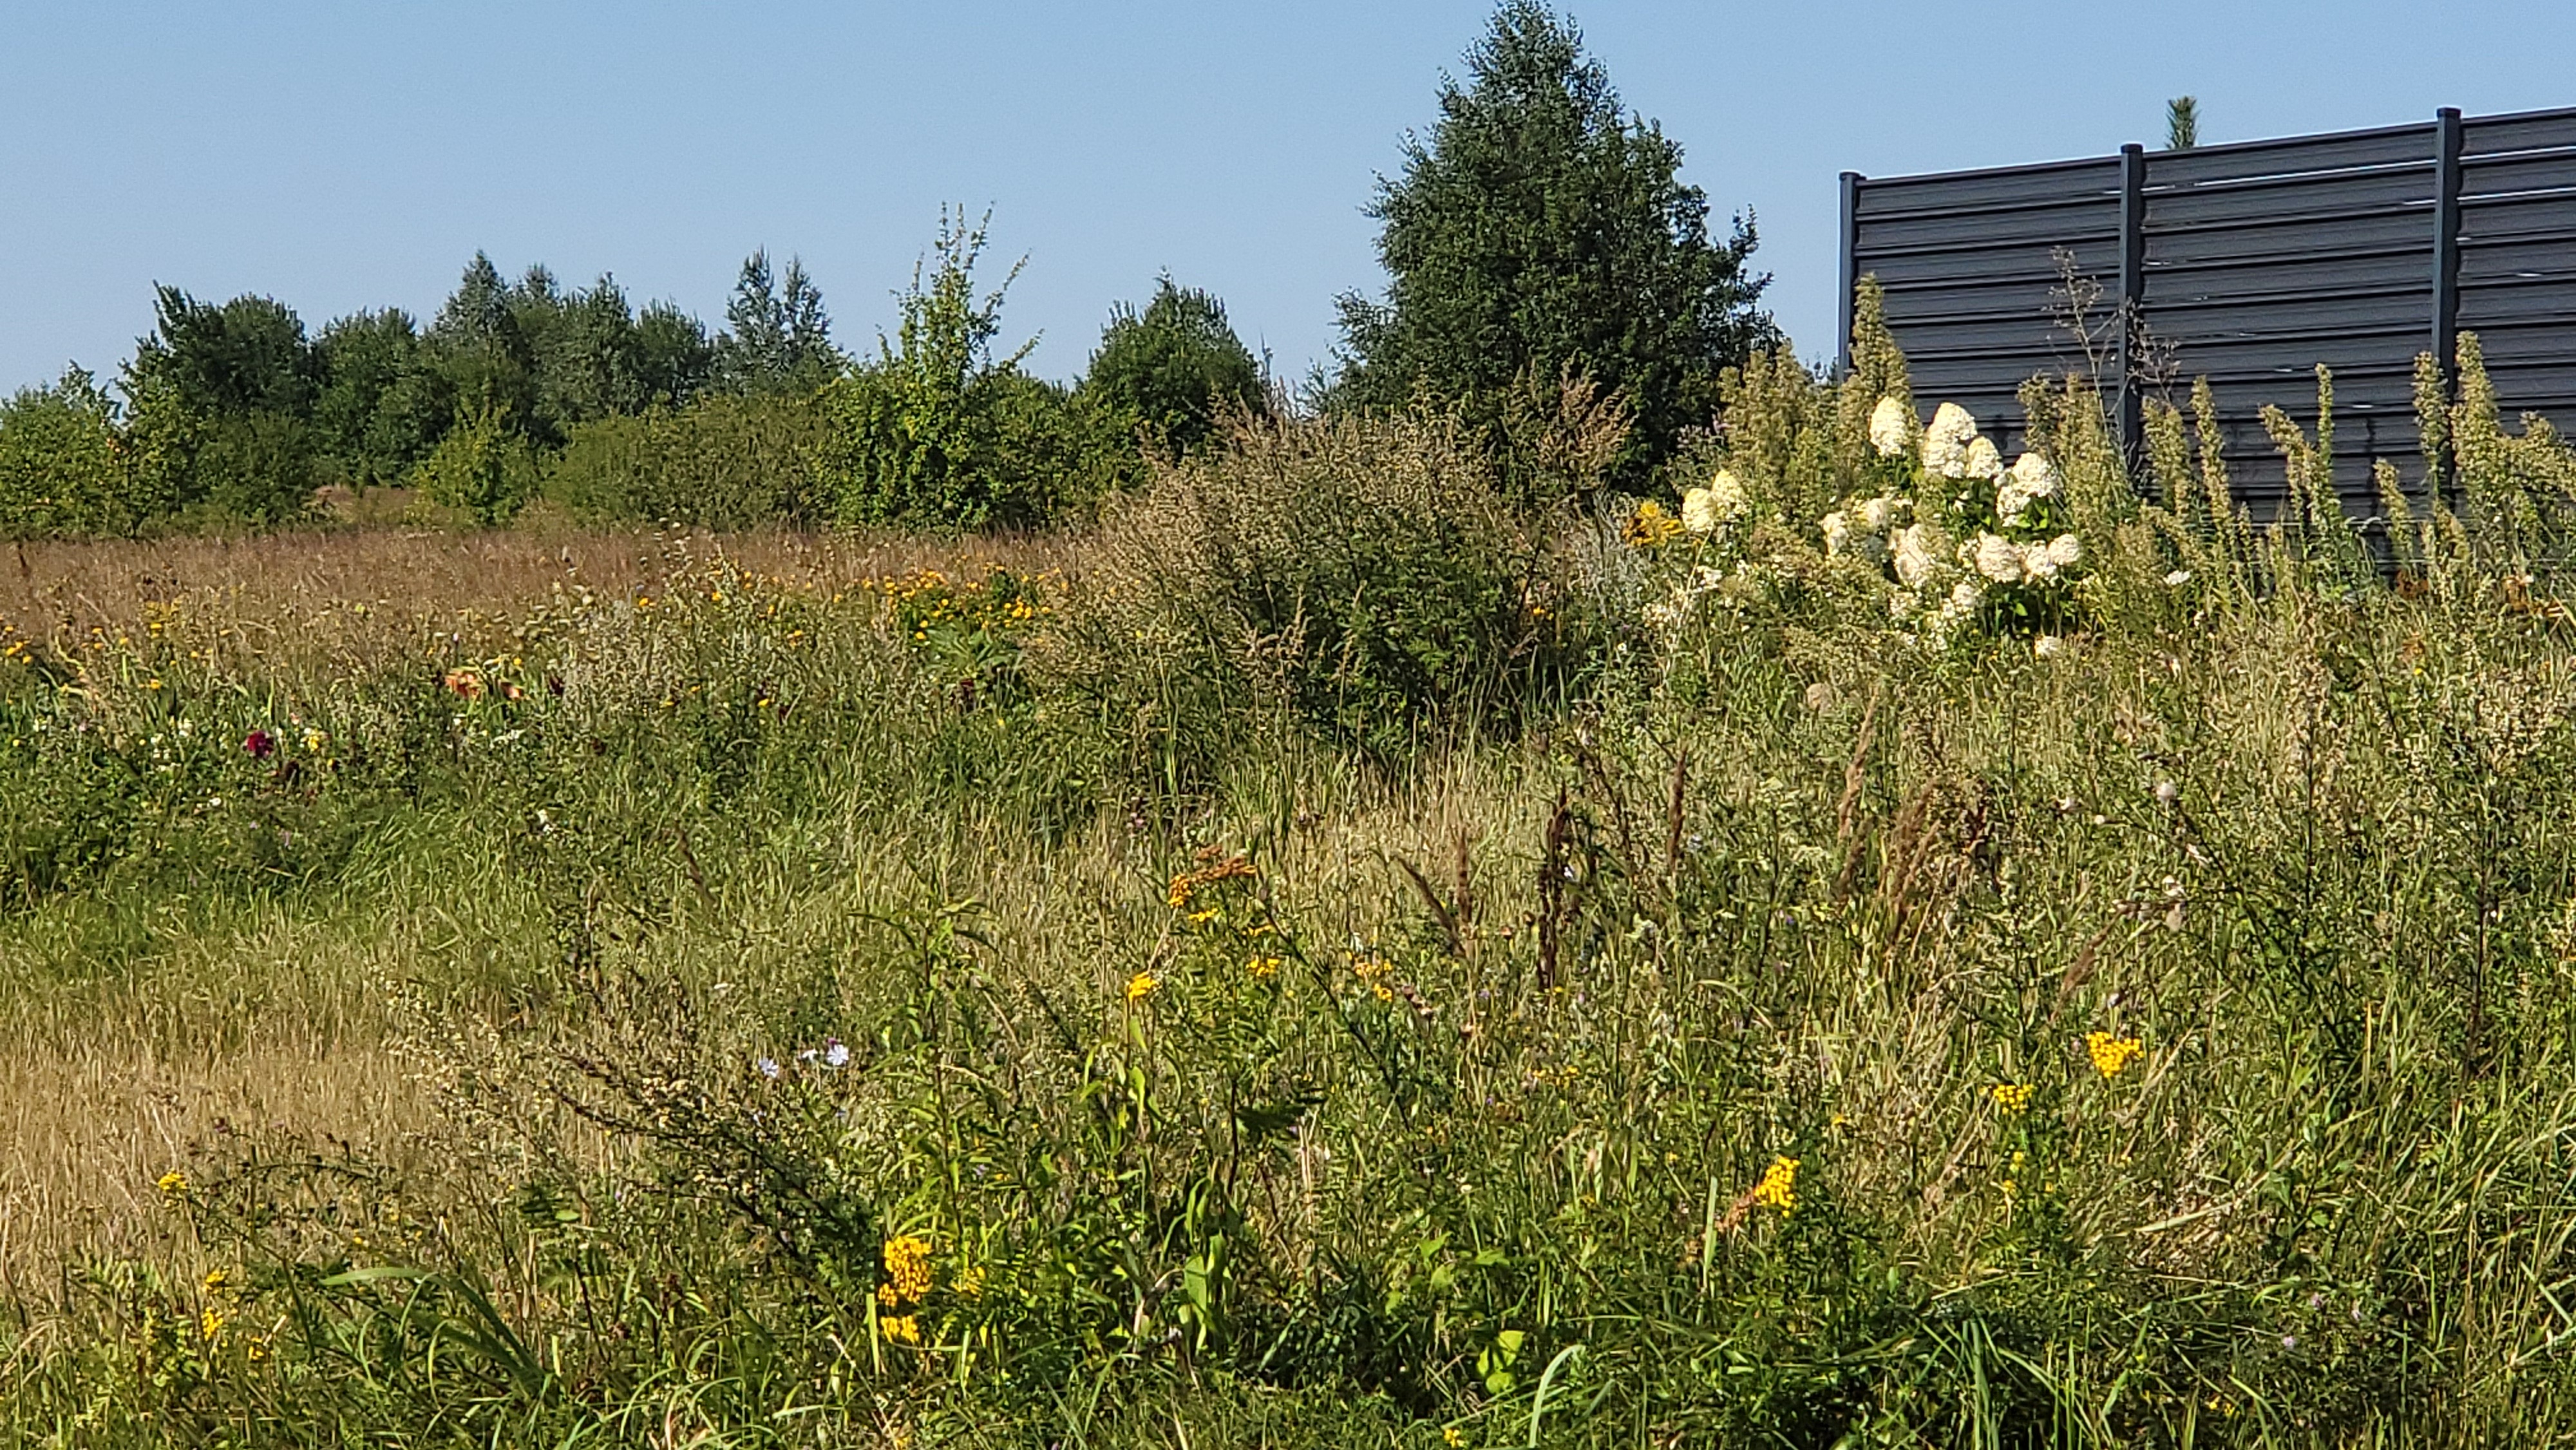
(1541, 229)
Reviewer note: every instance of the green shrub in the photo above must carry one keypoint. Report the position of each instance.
(938, 432)
(482, 467)
(723, 461)
(59, 471)
(1175, 370)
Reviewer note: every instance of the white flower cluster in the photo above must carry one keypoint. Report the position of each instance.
(1971, 525)
(1859, 530)
(1709, 512)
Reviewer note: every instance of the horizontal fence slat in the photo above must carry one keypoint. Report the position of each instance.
(2529, 130)
(2332, 194)
(2259, 240)
(2537, 340)
(2328, 275)
(2486, 260)
(2360, 312)
(2291, 155)
(1984, 190)
(2092, 219)
(2097, 256)
(2520, 300)
(2489, 217)
(2510, 175)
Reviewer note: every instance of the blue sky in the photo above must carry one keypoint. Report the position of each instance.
(346, 155)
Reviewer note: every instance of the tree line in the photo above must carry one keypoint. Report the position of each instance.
(1538, 242)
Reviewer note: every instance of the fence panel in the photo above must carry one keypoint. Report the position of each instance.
(2249, 264)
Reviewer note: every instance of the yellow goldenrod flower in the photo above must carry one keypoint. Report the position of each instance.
(2112, 1055)
(1262, 968)
(212, 1322)
(217, 1281)
(1141, 986)
(2012, 1098)
(907, 1266)
(1779, 1186)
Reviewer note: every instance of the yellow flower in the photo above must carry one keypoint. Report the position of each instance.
(2112, 1055)
(1451, 1436)
(212, 1322)
(1262, 968)
(1779, 1186)
(1141, 986)
(217, 1281)
(907, 1266)
(901, 1328)
(2012, 1098)
(1652, 528)
(174, 1184)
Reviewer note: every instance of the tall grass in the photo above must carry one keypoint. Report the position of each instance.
(800, 1011)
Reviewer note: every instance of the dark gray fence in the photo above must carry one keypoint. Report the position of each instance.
(2248, 264)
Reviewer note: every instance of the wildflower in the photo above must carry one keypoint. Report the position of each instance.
(314, 740)
(2178, 578)
(2112, 1055)
(2012, 1099)
(1983, 460)
(1945, 443)
(1141, 986)
(836, 1053)
(259, 744)
(1889, 422)
(1452, 1436)
(1262, 968)
(767, 1067)
(1779, 1186)
(907, 1266)
(217, 1280)
(2167, 792)
(464, 683)
(2048, 646)
(901, 1328)
(1651, 527)
(211, 1321)
(174, 1184)
(2032, 478)
(1996, 557)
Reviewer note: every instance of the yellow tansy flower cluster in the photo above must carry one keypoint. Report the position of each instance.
(1141, 986)
(2112, 1055)
(1779, 1186)
(1188, 883)
(2012, 1099)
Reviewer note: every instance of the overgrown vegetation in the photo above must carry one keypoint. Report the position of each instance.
(1333, 959)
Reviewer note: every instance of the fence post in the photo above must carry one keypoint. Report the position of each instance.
(2133, 296)
(1851, 271)
(2446, 237)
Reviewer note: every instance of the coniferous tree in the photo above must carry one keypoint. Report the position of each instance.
(1540, 229)
(777, 337)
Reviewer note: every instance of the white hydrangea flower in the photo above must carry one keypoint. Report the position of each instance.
(1876, 514)
(1945, 443)
(1996, 557)
(1984, 460)
(1917, 562)
(1838, 532)
(1889, 422)
(2032, 478)
(2065, 551)
(1712, 509)
(2036, 565)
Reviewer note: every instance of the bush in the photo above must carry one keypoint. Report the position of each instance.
(1367, 576)
(937, 432)
(59, 472)
(723, 461)
(482, 467)
(1175, 370)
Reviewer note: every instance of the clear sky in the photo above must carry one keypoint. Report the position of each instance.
(345, 155)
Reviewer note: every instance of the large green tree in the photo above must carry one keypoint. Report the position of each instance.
(1541, 229)
(222, 403)
(777, 338)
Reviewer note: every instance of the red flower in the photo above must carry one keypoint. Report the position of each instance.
(260, 744)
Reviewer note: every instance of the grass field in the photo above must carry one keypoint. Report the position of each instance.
(1321, 958)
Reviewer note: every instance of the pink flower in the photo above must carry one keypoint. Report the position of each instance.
(260, 744)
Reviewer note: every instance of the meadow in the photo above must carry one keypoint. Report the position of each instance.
(1875, 948)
